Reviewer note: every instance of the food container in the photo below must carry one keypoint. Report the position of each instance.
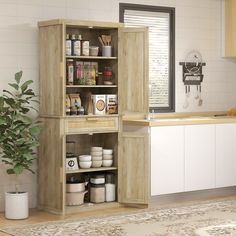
(75, 187)
(112, 103)
(107, 163)
(93, 50)
(75, 198)
(97, 193)
(84, 48)
(97, 179)
(85, 158)
(110, 192)
(99, 104)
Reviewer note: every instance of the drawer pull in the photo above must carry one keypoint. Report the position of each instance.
(92, 119)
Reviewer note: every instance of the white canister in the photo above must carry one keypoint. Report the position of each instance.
(106, 51)
(110, 192)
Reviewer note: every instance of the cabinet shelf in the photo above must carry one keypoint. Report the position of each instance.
(92, 57)
(91, 86)
(91, 170)
(91, 206)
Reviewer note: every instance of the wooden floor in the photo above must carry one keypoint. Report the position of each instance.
(37, 216)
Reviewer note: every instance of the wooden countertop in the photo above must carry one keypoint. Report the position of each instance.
(190, 120)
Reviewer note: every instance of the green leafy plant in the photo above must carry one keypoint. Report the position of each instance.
(18, 131)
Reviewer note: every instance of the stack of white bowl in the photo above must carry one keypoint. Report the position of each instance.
(107, 158)
(96, 154)
(85, 161)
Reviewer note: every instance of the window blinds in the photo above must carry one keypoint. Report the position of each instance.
(159, 42)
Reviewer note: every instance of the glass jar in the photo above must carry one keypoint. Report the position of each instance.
(108, 76)
(69, 72)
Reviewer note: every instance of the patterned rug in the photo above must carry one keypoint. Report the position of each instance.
(205, 219)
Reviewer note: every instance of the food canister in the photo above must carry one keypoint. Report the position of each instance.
(97, 179)
(110, 192)
(110, 188)
(97, 193)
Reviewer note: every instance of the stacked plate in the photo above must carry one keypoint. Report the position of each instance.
(107, 157)
(96, 154)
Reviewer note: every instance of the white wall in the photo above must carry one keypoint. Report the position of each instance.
(198, 26)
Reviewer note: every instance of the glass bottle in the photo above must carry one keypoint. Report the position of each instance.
(68, 45)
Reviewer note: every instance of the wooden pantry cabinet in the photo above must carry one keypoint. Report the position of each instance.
(129, 66)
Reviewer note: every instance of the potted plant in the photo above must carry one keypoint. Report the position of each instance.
(18, 140)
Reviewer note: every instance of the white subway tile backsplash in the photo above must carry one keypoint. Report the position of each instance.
(32, 11)
(75, 13)
(50, 12)
(8, 9)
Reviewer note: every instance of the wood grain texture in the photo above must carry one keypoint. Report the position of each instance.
(134, 167)
(86, 125)
(51, 73)
(133, 71)
(50, 166)
(230, 24)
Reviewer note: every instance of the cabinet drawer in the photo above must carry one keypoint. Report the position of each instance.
(91, 124)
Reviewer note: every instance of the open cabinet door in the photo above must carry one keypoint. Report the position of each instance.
(133, 171)
(133, 71)
(134, 167)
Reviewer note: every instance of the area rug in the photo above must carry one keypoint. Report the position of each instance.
(204, 219)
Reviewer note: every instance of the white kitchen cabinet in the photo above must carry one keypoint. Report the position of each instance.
(225, 155)
(167, 159)
(199, 157)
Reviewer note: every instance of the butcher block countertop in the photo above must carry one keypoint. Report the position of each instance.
(182, 119)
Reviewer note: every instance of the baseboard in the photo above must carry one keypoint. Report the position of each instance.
(208, 194)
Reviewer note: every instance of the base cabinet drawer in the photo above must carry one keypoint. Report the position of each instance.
(91, 124)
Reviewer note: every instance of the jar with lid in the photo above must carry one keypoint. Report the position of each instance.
(69, 72)
(80, 110)
(79, 75)
(97, 193)
(99, 80)
(110, 188)
(108, 76)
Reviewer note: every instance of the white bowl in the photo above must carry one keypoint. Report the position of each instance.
(96, 149)
(107, 157)
(96, 153)
(96, 164)
(96, 158)
(93, 50)
(107, 151)
(107, 163)
(85, 164)
(85, 158)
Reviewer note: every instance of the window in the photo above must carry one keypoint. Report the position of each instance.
(161, 23)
